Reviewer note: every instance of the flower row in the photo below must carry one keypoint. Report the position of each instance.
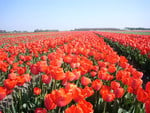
(141, 42)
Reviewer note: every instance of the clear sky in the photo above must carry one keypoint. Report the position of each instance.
(70, 14)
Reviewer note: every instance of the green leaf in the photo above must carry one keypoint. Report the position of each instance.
(121, 110)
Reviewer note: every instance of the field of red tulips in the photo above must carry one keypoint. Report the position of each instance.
(141, 42)
(136, 48)
(70, 72)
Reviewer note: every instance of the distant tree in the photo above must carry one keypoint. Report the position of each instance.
(47, 30)
(25, 31)
(136, 28)
(94, 29)
(15, 31)
(2, 31)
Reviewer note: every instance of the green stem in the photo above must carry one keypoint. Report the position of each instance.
(20, 99)
(115, 109)
(13, 107)
(54, 84)
(96, 99)
(105, 105)
(77, 83)
(137, 107)
(59, 110)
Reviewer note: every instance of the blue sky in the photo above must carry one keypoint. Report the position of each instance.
(70, 14)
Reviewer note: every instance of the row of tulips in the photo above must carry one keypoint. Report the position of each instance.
(141, 42)
(73, 72)
(14, 35)
(141, 62)
(15, 39)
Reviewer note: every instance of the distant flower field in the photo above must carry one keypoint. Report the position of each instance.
(71, 72)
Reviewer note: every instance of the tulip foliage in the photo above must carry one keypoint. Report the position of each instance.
(68, 72)
(141, 42)
(136, 48)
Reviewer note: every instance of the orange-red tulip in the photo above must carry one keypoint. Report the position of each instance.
(37, 91)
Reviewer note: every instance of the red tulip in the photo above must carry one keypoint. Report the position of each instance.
(105, 89)
(70, 76)
(49, 103)
(148, 87)
(12, 76)
(74, 109)
(142, 95)
(108, 97)
(77, 73)
(119, 92)
(115, 85)
(102, 64)
(124, 64)
(3, 93)
(56, 62)
(58, 74)
(78, 95)
(22, 57)
(61, 97)
(112, 68)
(95, 68)
(75, 65)
(44, 58)
(20, 80)
(42, 66)
(87, 91)
(137, 74)
(67, 59)
(27, 77)
(93, 73)
(97, 84)
(10, 84)
(126, 78)
(21, 70)
(136, 83)
(87, 107)
(85, 81)
(147, 106)
(37, 91)
(40, 110)
(46, 79)
(34, 69)
(81, 107)
(120, 74)
(130, 89)
(70, 87)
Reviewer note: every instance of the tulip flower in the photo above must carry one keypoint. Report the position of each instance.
(37, 91)
(40, 110)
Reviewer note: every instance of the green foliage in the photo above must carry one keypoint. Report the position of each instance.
(141, 62)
